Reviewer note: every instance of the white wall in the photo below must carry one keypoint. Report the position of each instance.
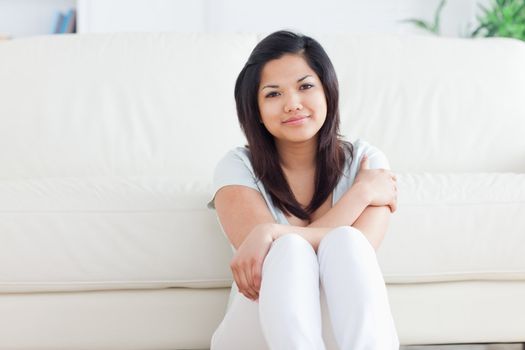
(142, 15)
(31, 17)
(311, 16)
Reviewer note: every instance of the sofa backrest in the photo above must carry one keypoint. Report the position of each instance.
(435, 104)
(162, 104)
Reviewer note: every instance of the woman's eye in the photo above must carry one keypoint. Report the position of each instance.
(272, 94)
(306, 86)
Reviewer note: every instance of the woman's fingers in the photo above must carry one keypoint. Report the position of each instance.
(393, 204)
(395, 195)
(256, 275)
(246, 290)
(242, 276)
(249, 280)
(240, 279)
(255, 288)
(237, 279)
(364, 162)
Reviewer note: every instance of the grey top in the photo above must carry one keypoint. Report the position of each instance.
(235, 168)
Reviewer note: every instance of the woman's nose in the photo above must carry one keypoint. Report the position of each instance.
(293, 103)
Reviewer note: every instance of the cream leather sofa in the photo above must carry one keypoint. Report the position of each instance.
(107, 147)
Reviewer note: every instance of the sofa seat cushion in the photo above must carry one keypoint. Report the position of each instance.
(452, 227)
(107, 233)
(69, 234)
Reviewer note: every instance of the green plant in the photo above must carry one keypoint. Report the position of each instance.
(506, 18)
(503, 18)
(431, 27)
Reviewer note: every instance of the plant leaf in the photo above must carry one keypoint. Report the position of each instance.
(419, 23)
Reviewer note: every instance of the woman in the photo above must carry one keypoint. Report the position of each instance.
(303, 210)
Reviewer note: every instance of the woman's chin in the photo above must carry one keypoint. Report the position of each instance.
(297, 138)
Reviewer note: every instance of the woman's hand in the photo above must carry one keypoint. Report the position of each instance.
(380, 184)
(247, 262)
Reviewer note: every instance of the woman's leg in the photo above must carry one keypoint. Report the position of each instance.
(289, 305)
(355, 292)
(240, 329)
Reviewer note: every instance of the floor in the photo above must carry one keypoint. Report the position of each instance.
(506, 346)
(512, 346)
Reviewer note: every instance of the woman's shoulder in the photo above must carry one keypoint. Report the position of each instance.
(237, 154)
(241, 151)
(236, 160)
(362, 145)
(375, 155)
(234, 168)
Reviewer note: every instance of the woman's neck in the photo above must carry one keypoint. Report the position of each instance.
(297, 156)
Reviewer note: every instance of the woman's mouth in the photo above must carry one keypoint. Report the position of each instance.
(300, 119)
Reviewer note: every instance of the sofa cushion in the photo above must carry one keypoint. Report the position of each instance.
(109, 233)
(135, 103)
(456, 227)
(146, 232)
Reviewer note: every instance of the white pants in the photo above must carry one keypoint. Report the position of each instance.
(333, 300)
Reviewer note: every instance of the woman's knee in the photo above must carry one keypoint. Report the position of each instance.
(292, 242)
(346, 237)
(291, 246)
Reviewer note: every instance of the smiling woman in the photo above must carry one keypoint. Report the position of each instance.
(303, 209)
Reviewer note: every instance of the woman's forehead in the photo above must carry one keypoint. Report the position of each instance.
(286, 69)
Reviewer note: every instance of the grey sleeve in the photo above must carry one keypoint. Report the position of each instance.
(233, 169)
(376, 158)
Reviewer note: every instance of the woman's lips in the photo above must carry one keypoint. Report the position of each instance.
(296, 120)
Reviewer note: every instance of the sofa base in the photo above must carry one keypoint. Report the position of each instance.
(177, 318)
(459, 312)
(183, 318)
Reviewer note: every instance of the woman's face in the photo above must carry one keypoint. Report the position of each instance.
(291, 99)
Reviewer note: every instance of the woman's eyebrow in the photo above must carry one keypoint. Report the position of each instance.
(276, 86)
(303, 78)
(269, 86)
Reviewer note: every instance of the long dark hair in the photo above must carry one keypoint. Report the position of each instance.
(330, 157)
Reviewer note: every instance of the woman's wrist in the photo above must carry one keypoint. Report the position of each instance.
(276, 230)
(268, 228)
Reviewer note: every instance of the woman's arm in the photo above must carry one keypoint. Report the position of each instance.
(344, 213)
(241, 209)
(371, 220)
(251, 229)
(373, 223)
